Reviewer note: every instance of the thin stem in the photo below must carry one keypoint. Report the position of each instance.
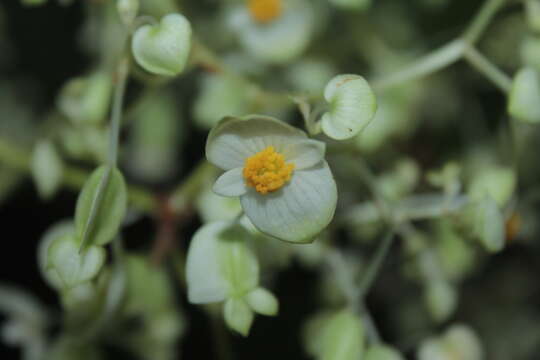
(428, 64)
(488, 69)
(376, 264)
(482, 19)
(371, 182)
(116, 113)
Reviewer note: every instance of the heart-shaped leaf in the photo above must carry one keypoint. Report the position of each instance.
(163, 49)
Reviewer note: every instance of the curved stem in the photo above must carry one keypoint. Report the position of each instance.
(376, 264)
(488, 69)
(482, 20)
(428, 64)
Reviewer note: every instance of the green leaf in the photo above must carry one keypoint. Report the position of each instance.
(57, 230)
(72, 267)
(382, 352)
(441, 299)
(238, 316)
(47, 169)
(343, 337)
(220, 264)
(101, 207)
(490, 226)
(524, 97)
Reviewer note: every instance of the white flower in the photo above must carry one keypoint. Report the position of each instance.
(285, 186)
(274, 31)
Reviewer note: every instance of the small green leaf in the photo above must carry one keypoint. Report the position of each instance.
(101, 207)
(55, 231)
(524, 97)
(262, 301)
(238, 316)
(85, 100)
(220, 264)
(74, 268)
(47, 169)
(343, 337)
(382, 352)
(441, 299)
(490, 226)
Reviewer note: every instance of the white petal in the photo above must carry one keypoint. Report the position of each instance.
(298, 211)
(205, 281)
(305, 153)
(235, 139)
(231, 183)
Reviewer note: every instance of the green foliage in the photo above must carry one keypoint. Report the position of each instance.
(101, 207)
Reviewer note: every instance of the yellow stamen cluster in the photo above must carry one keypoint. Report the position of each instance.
(264, 11)
(267, 171)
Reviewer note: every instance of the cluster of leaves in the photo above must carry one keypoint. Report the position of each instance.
(401, 157)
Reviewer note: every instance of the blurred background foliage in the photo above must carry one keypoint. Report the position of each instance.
(444, 136)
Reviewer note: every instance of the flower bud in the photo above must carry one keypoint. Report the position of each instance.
(163, 49)
(352, 105)
(74, 267)
(524, 97)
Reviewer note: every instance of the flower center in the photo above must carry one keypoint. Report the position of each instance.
(264, 11)
(267, 171)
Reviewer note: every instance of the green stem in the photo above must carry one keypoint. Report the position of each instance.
(428, 64)
(481, 20)
(488, 69)
(371, 182)
(116, 113)
(375, 265)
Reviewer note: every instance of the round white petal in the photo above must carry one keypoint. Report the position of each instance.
(205, 281)
(352, 106)
(305, 153)
(233, 140)
(298, 211)
(231, 183)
